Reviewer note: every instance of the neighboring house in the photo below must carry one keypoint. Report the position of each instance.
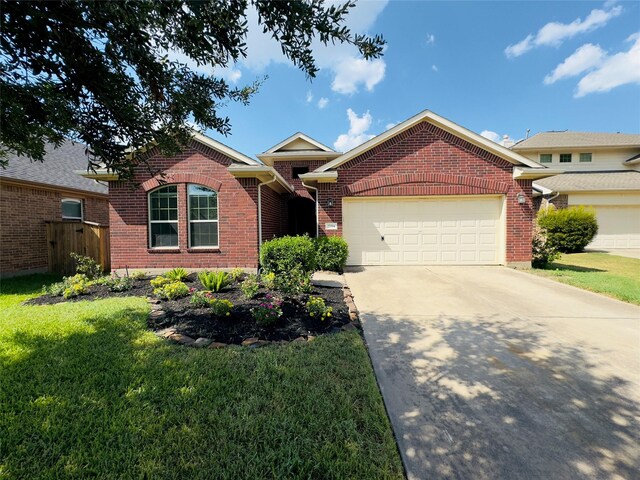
(602, 170)
(32, 193)
(425, 192)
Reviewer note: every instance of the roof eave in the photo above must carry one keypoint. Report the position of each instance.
(330, 176)
(102, 175)
(520, 173)
(264, 174)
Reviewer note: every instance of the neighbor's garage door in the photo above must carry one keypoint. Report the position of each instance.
(618, 227)
(424, 231)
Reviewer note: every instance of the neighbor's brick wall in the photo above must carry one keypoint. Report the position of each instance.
(237, 213)
(23, 212)
(426, 160)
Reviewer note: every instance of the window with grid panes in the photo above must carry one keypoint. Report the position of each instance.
(203, 216)
(163, 217)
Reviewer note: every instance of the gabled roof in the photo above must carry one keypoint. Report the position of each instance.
(444, 124)
(298, 140)
(58, 168)
(590, 182)
(568, 139)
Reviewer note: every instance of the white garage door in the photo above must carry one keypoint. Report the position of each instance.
(424, 231)
(618, 227)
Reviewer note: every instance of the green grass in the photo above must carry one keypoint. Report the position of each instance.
(612, 275)
(86, 391)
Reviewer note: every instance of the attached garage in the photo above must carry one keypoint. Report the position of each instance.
(460, 230)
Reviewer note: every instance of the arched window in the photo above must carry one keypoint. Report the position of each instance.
(163, 217)
(203, 216)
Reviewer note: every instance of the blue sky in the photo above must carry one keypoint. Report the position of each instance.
(493, 67)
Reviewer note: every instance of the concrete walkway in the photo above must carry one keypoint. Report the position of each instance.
(492, 373)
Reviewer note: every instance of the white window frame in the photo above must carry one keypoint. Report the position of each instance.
(171, 247)
(550, 158)
(189, 221)
(580, 160)
(74, 200)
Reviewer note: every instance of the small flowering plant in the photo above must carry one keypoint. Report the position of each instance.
(268, 312)
(200, 298)
(221, 307)
(318, 309)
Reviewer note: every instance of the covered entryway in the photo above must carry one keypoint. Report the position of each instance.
(301, 216)
(424, 230)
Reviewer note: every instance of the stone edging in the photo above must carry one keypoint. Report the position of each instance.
(170, 333)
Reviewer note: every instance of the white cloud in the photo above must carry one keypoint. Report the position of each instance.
(431, 39)
(389, 126)
(620, 69)
(323, 102)
(434, 68)
(554, 33)
(342, 60)
(497, 138)
(230, 73)
(584, 58)
(352, 72)
(309, 98)
(357, 134)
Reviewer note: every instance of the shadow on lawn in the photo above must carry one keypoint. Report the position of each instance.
(489, 398)
(571, 268)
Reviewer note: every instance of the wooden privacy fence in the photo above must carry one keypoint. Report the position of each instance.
(84, 238)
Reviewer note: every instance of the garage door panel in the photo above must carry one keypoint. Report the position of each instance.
(618, 227)
(423, 231)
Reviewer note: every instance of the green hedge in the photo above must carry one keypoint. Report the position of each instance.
(570, 229)
(331, 253)
(282, 255)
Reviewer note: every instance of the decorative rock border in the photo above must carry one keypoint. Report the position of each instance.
(170, 333)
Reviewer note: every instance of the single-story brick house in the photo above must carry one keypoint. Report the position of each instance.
(425, 192)
(33, 193)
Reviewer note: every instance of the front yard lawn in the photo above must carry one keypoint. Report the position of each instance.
(87, 391)
(612, 275)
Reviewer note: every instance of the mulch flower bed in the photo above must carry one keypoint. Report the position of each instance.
(181, 321)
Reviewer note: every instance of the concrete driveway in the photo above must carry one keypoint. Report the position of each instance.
(493, 373)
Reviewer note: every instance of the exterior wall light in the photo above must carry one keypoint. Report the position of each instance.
(521, 198)
(330, 202)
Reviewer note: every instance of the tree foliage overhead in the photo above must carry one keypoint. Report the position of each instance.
(102, 72)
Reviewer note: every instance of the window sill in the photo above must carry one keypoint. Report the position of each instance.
(163, 250)
(203, 250)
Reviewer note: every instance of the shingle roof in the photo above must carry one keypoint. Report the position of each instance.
(578, 139)
(591, 181)
(57, 169)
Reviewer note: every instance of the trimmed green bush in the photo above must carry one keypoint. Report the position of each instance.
(569, 230)
(281, 255)
(331, 253)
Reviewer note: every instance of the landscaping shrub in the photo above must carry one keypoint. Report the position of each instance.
(281, 255)
(221, 307)
(543, 252)
(331, 253)
(293, 283)
(172, 290)
(236, 274)
(116, 283)
(159, 281)
(250, 286)
(138, 274)
(268, 280)
(177, 274)
(570, 229)
(317, 308)
(268, 312)
(201, 299)
(214, 281)
(76, 285)
(86, 266)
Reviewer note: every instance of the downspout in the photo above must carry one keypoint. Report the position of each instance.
(260, 208)
(550, 199)
(316, 202)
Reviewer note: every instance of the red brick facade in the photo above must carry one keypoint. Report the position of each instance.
(425, 160)
(237, 213)
(24, 209)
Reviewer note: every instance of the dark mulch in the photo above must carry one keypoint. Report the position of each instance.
(198, 322)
